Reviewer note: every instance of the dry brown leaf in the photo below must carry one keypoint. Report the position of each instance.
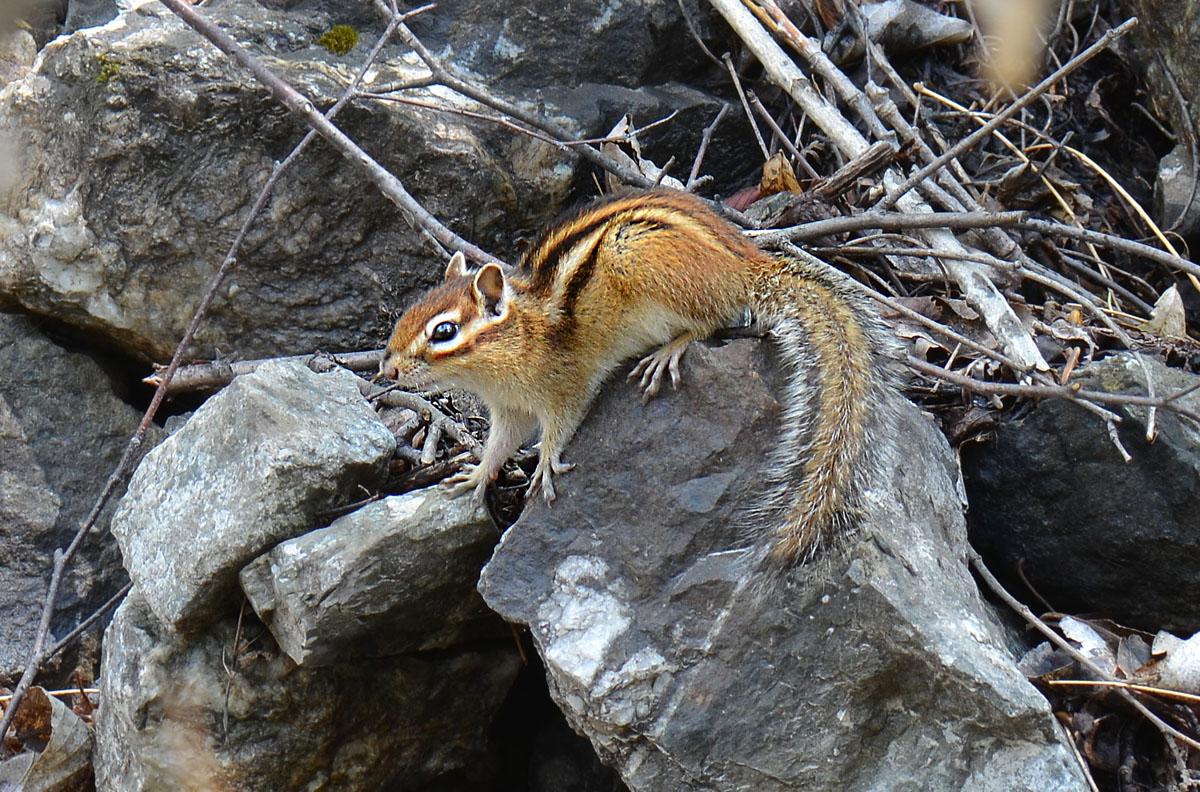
(1168, 318)
(778, 176)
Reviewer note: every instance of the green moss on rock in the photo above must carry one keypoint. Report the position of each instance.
(339, 39)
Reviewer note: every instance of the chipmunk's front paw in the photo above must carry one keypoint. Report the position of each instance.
(472, 478)
(543, 477)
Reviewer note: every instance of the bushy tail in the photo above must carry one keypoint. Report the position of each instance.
(833, 347)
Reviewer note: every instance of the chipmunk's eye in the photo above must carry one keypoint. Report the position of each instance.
(443, 332)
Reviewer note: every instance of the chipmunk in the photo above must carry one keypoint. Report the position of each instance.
(624, 275)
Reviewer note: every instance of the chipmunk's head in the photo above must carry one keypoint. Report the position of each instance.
(435, 343)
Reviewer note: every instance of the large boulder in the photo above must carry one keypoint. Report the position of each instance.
(65, 425)
(877, 667)
(264, 460)
(140, 148)
(397, 575)
(1052, 495)
(205, 712)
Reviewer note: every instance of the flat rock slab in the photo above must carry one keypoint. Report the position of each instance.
(395, 576)
(876, 667)
(258, 463)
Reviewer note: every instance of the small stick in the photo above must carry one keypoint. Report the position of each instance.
(705, 139)
(737, 84)
(1068, 392)
(757, 106)
(393, 397)
(66, 640)
(218, 374)
(1110, 241)
(1164, 692)
(878, 156)
(890, 221)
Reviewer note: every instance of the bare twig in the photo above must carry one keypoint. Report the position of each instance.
(82, 627)
(895, 221)
(965, 220)
(218, 374)
(796, 153)
(393, 397)
(693, 179)
(1178, 695)
(1068, 392)
(878, 156)
(737, 84)
(1111, 242)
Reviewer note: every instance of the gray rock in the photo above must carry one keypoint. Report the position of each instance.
(1163, 45)
(28, 513)
(877, 667)
(395, 576)
(89, 13)
(550, 43)
(142, 147)
(1095, 533)
(66, 429)
(1174, 198)
(17, 53)
(258, 463)
(173, 717)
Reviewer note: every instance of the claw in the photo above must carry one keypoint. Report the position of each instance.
(471, 479)
(543, 476)
(665, 360)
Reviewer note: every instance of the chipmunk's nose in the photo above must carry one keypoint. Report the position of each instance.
(389, 366)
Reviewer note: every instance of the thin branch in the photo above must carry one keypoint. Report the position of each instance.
(737, 84)
(391, 396)
(133, 449)
(796, 153)
(1068, 392)
(218, 374)
(1026, 99)
(893, 221)
(705, 138)
(82, 627)
(293, 100)
(1110, 241)
(1065, 645)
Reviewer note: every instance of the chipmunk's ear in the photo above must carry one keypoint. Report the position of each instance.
(457, 267)
(489, 290)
